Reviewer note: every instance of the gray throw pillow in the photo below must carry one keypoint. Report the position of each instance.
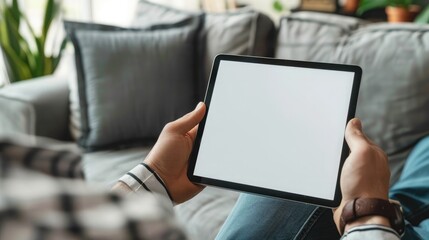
(132, 82)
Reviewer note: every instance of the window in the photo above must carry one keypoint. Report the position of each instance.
(113, 12)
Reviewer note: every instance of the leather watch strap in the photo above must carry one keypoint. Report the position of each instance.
(362, 207)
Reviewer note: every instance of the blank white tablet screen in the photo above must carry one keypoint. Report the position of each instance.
(276, 127)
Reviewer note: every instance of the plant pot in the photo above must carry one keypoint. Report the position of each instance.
(398, 14)
(414, 11)
(351, 6)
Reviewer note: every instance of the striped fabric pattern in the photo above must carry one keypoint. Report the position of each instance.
(143, 179)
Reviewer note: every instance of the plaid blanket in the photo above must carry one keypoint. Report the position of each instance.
(43, 196)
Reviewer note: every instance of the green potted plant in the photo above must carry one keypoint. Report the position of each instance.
(398, 10)
(26, 57)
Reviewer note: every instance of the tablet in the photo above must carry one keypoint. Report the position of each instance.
(276, 128)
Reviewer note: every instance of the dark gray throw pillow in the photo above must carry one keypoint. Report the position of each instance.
(131, 81)
(243, 32)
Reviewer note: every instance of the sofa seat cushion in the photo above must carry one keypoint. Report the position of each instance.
(394, 95)
(204, 214)
(106, 167)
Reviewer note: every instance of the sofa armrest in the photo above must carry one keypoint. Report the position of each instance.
(36, 107)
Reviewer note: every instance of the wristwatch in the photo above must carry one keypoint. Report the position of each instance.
(363, 207)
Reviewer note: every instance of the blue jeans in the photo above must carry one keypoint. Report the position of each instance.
(257, 217)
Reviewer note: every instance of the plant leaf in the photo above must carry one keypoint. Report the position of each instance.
(40, 45)
(16, 12)
(278, 6)
(12, 29)
(366, 5)
(40, 56)
(51, 10)
(417, 2)
(11, 70)
(21, 69)
(30, 57)
(17, 41)
(36, 57)
(4, 35)
(423, 17)
(48, 66)
(22, 62)
(400, 3)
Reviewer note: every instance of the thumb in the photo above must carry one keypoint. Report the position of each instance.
(190, 120)
(354, 135)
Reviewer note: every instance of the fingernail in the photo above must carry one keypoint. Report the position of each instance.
(199, 105)
(357, 123)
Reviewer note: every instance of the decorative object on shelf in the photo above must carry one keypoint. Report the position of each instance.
(278, 6)
(22, 60)
(423, 16)
(398, 13)
(351, 6)
(398, 10)
(319, 5)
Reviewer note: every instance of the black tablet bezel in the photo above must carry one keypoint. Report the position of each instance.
(264, 191)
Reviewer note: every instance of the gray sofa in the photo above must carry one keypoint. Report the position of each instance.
(393, 103)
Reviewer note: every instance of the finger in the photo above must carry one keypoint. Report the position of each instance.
(189, 121)
(193, 133)
(354, 135)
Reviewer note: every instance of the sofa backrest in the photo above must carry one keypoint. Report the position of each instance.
(313, 36)
(243, 32)
(394, 95)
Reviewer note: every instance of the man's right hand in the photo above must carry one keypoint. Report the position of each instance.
(365, 173)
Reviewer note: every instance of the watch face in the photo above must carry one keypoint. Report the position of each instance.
(398, 222)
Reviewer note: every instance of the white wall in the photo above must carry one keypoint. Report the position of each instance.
(124, 9)
(113, 11)
(265, 6)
